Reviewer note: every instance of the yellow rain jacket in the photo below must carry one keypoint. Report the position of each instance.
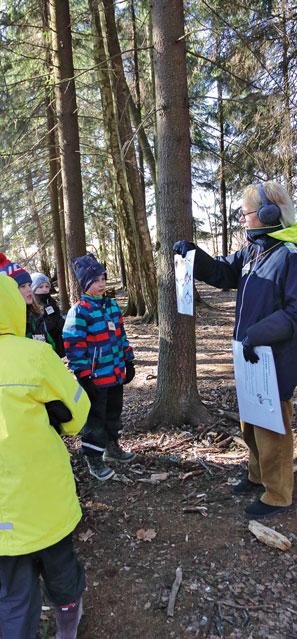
(38, 502)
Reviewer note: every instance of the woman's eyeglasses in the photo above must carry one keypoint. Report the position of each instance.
(244, 213)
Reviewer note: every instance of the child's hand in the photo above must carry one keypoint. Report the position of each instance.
(130, 372)
(58, 413)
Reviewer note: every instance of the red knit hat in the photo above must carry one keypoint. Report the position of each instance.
(19, 274)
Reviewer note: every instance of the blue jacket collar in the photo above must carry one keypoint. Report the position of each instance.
(260, 237)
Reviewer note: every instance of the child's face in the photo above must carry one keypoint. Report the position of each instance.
(26, 291)
(98, 287)
(43, 289)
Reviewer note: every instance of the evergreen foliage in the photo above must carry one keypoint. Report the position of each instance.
(245, 50)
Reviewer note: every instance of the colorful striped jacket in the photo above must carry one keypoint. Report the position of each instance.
(95, 340)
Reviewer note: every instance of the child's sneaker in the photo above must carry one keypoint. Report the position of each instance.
(98, 468)
(114, 452)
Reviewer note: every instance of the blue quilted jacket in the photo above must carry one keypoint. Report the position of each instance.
(95, 341)
(265, 275)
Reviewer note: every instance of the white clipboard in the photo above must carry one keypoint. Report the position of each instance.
(257, 389)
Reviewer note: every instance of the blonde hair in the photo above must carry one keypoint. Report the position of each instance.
(277, 194)
(36, 308)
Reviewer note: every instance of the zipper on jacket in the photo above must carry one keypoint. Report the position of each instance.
(243, 293)
(93, 360)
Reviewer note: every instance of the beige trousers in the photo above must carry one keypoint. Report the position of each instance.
(271, 459)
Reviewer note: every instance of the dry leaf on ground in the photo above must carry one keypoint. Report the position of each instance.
(85, 536)
(156, 477)
(146, 535)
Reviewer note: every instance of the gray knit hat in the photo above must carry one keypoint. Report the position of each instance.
(38, 279)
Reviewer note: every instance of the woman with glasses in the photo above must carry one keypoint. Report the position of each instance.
(264, 272)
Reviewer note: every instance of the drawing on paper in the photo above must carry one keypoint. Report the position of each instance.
(184, 283)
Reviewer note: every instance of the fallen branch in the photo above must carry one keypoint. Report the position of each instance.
(203, 464)
(196, 509)
(224, 442)
(269, 536)
(174, 590)
(293, 612)
(161, 439)
(245, 606)
(191, 473)
(170, 447)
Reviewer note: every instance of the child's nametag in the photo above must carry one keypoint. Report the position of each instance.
(40, 338)
(246, 269)
(49, 310)
(111, 326)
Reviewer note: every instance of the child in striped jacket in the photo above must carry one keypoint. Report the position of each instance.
(99, 354)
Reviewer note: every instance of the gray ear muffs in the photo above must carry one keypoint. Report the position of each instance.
(268, 212)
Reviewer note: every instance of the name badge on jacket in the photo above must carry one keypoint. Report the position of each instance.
(111, 326)
(49, 310)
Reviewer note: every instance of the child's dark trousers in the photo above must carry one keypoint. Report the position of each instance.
(20, 596)
(104, 420)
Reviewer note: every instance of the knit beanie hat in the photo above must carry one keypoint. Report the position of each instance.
(87, 269)
(38, 279)
(19, 274)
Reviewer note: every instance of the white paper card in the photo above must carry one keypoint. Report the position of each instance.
(184, 282)
(257, 389)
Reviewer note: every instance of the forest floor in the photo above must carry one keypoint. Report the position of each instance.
(135, 531)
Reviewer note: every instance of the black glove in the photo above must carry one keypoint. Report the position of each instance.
(89, 386)
(130, 372)
(182, 247)
(248, 351)
(58, 413)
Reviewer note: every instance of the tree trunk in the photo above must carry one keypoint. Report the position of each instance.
(66, 108)
(177, 401)
(54, 168)
(41, 241)
(223, 205)
(62, 223)
(142, 138)
(288, 134)
(2, 240)
(155, 149)
(122, 262)
(122, 195)
(137, 93)
(139, 219)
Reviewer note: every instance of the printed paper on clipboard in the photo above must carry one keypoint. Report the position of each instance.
(184, 283)
(257, 389)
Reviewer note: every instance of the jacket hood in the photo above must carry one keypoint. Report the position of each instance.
(12, 308)
(288, 234)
